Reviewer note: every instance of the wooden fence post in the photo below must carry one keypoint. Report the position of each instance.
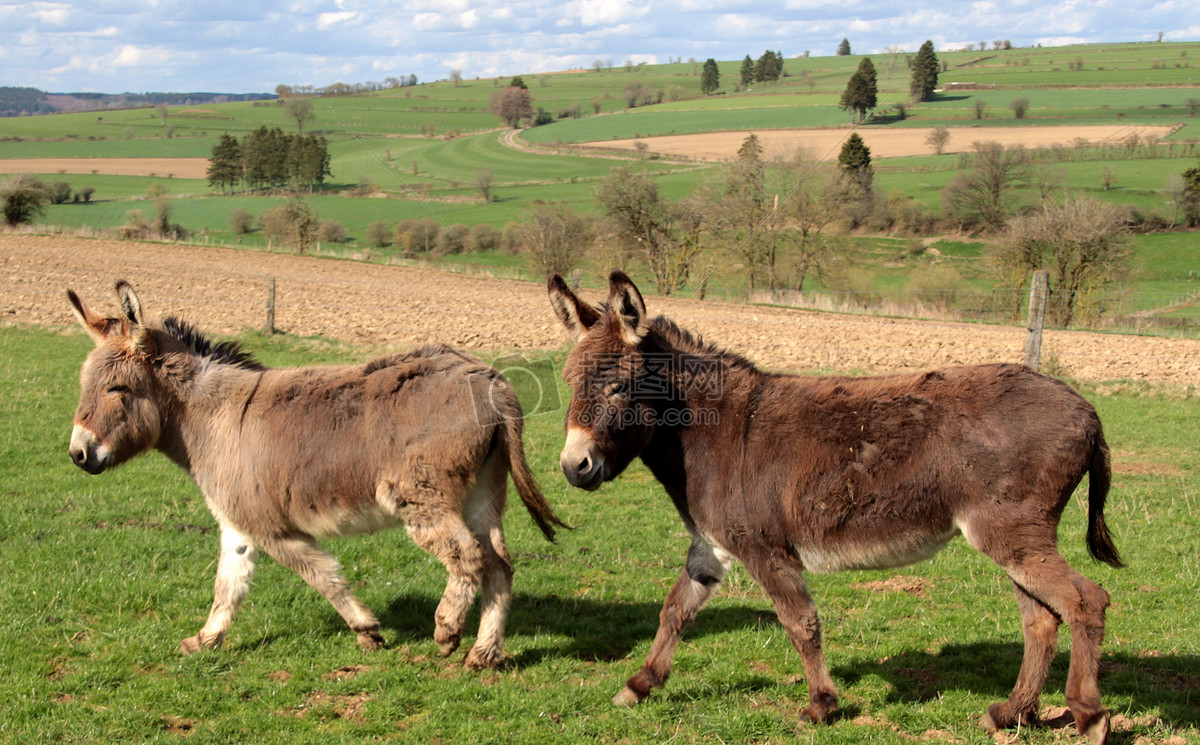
(1037, 318)
(269, 329)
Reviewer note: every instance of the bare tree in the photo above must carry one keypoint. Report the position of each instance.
(985, 192)
(938, 138)
(1020, 107)
(300, 108)
(484, 182)
(1083, 242)
(512, 104)
(554, 237)
(981, 108)
(666, 234)
(456, 77)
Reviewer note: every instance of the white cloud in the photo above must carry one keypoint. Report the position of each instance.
(326, 21)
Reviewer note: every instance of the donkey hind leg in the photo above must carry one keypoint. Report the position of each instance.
(445, 535)
(1037, 568)
(320, 570)
(706, 566)
(483, 512)
(780, 576)
(1040, 626)
(1081, 603)
(235, 568)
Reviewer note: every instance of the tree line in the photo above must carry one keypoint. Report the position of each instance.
(267, 158)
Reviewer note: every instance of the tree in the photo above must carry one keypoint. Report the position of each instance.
(292, 223)
(855, 162)
(924, 73)
(1020, 107)
(456, 77)
(843, 49)
(512, 104)
(553, 237)
(739, 213)
(746, 74)
(300, 109)
(985, 192)
(666, 234)
(938, 138)
(1082, 241)
(484, 182)
(1190, 202)
(23, 197)
(861, 92)
(225, 163)
(710, 78)
(769, 67)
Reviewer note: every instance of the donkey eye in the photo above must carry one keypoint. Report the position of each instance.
(119, 390)
(616, 389)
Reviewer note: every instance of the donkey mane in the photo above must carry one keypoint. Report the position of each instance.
(686, 341)
(225, 352)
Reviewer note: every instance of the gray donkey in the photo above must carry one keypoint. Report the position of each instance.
(285, 457)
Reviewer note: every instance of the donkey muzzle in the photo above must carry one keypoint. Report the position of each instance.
(87, 452)
(580, 463)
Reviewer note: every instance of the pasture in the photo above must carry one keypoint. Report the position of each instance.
(105, 574)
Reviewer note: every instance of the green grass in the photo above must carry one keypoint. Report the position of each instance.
(104, 575)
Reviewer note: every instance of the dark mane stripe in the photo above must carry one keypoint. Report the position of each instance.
(686, 341)
(225, 353)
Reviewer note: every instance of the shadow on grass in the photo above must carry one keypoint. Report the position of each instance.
(595, 631)
(608, 631)
(1167, 684)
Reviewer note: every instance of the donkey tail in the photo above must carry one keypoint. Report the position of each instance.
(1099, 540)
(510, 426)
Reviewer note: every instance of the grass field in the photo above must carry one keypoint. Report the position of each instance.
(104, 576)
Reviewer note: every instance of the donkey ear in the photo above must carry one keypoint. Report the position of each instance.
(576, 315)
(627, 307)
(97, 326)
(131, 313)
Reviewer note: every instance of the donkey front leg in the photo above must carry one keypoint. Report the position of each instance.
(320, 570)
(235, 568)
(706, 566)
(781, 578)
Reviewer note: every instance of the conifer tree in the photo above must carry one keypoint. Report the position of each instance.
(862, 91)
(747, 72)
(710, 77)
(924, 73)
(843, 49)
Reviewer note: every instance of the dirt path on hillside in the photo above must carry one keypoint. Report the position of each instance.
(223, 291)
(884, 143)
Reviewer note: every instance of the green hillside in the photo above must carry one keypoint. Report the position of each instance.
(420, 152)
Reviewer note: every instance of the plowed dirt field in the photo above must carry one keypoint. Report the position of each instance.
(223, 291)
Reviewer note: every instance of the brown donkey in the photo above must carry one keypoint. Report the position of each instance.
(285, 457)
(789, 473)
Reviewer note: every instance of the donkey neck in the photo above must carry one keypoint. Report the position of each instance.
(205, 400)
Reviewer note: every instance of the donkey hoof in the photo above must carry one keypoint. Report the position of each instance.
(487, 659)
(1095, 731)
(446, 647)
(627, 697)
(196, 643)
(370, 640)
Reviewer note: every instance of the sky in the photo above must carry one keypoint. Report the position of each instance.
(250, 46)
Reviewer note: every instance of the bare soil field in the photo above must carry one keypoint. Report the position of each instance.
(160, 167)
(223, 291)
(884, 143)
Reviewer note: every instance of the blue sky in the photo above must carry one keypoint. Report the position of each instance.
(241, 46)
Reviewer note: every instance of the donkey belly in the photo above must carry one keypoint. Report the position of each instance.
(366, 517)
(863, 552)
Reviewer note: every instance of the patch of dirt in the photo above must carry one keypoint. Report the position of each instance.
(223, 292)
(195, 168)
(344, 672)
(178, 725)
(918, 586)
(884, 143)
(324, 705)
